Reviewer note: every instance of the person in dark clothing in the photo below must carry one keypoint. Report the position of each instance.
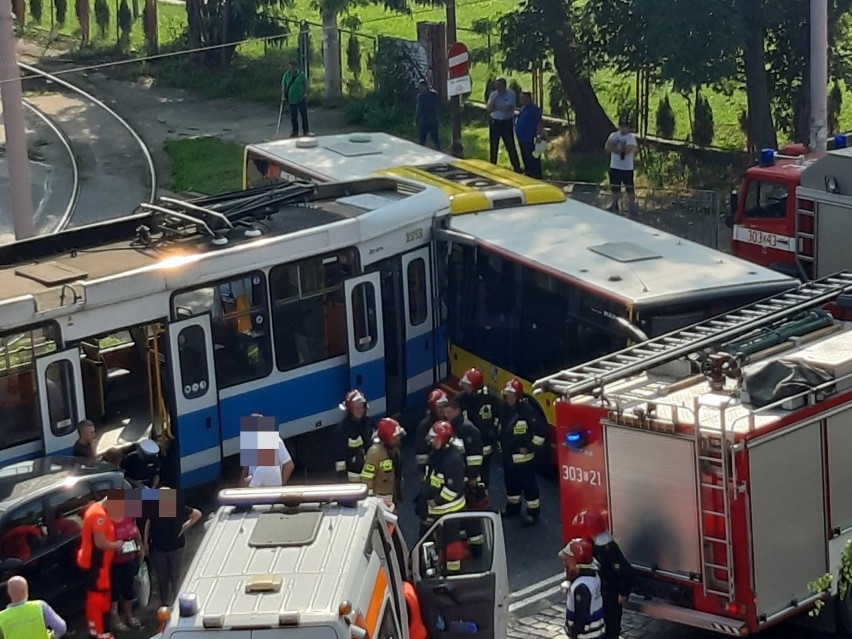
(501, 112)
(87, 438)
(521, 437)
(164, 540)
(481, 408)
(142, 466)
(528, 129)
(470, 437)
(615, 571)
(294, 89)
(435, 404)
(426, 114)
(353, 437)
(443, 489)
(584, 605)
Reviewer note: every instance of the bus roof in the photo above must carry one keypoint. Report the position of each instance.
(348, 156)
(604, 251)
(153, 251)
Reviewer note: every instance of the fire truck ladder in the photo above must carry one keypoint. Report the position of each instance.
(805, 259)
(712, 460)
(710, 333)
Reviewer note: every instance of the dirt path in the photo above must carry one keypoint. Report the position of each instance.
(164, 113)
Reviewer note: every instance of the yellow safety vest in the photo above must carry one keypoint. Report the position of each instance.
(24, 621)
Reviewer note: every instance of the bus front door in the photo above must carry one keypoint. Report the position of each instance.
(365, 339)
(60, 398)
(195, 454)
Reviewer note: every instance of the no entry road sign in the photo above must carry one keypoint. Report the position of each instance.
(458, 61)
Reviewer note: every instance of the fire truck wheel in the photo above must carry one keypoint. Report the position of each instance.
(844, 612)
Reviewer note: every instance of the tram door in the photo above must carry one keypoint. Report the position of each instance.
(197, 458)
(365, 339)
(60, 397)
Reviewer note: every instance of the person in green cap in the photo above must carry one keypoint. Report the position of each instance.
(294, 87)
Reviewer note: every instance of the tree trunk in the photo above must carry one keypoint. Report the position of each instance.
(761, 126)
(592, 123)
(193, 27)
(151, 31)
(331, 56)
(224, 56)
(82, 9)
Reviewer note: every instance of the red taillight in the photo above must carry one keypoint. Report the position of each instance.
(735, 608)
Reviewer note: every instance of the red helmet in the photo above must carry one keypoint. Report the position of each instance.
(442, 432)
(514, 386)
(387, 429)
(473, 377)
(436, 398)
(592, 522)
(353, 397)
(580, 549)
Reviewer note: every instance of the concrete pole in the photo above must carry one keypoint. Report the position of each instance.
(455, 102)
(17, 159)
(819, 74)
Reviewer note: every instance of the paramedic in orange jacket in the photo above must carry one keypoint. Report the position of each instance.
(97, 548)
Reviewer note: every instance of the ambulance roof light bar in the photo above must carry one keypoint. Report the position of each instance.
(710, 333)
(293, 495)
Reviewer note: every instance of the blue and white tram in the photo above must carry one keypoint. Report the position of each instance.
(184, 317)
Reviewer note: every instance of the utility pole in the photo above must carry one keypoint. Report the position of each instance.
(819, 74)
(17, 159)
(457, 148)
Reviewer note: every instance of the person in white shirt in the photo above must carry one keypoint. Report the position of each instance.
(501, 112)
(277, 475)
(622, 146)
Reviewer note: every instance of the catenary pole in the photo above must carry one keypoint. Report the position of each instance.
(17, 160)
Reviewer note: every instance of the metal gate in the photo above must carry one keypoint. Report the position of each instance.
(691, 214)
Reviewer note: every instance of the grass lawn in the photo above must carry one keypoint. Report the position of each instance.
(192, 169)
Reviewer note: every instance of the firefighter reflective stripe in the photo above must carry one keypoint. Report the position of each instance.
(340, 466)
(369, 471)
(356, 442)
(422, 460)
(522, 458)
(453, 566)
(444, 509)
(534, 504)
(485, 412)
(513, 499)
(537, 440)
(487, 450)
(436, 480)
(354, 477)
(386, 465)
(448, 494)
(595, 628)
(520, 427)
(474, 460)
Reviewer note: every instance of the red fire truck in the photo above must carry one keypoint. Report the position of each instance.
(722, 454)
(793, 212)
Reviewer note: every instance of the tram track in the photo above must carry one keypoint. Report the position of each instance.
(112, 168)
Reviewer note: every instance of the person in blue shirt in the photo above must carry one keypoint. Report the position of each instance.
(528, 128)
(426, 115)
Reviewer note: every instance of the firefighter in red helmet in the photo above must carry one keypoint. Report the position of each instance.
(480, 407)
(584, 615)
(353, 437)
(615, 571)
(444, 482)
(435, 402)
(383, 464)
(521, 437)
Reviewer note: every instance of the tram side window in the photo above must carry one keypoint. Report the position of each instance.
(364, 316)
(418, 291)
(192, 355)
(19, 403)
(59, 377)
(239, 321)
(307, 309)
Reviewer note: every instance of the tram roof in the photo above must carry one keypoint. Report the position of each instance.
(349, 156)
(610, 253)
(110, 261)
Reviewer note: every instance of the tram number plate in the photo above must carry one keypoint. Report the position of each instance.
(413, 236)
(581, 475)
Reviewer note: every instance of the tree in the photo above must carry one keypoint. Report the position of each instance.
(703, 128)
(81, 7)
(125, 23)
(102, 16)
(665, 119)
(353, 46)
(539, 29)
(61, 8)
(35, 10)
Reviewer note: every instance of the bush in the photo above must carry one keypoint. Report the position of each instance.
(61, 11)
(665, 119)
(353, 55)
(703, 128)
(835, 102)
(125, 23)
(35, 10)
(102, 16)
(557, 103)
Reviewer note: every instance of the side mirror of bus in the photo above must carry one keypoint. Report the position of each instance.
(732, 211)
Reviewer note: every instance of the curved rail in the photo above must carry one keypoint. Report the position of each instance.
(75, 187)
(146, 154)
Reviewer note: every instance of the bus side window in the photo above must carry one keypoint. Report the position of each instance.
(239, 322)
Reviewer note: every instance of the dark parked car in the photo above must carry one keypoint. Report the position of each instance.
(41, 514)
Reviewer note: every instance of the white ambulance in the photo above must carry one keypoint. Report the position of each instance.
(328, 562)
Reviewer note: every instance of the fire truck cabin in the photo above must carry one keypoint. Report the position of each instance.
(721, 455)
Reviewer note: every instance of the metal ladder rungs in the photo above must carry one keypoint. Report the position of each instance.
(720, 593)
(712, 513)
(716, 540)
(712, 486)
(712, 460)
(717, 567)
